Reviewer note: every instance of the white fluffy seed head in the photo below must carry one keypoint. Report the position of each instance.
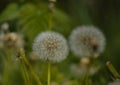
(50, 46)
(87, 41)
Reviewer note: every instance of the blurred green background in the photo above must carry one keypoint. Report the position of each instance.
(104, 14)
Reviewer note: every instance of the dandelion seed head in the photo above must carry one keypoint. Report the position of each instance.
(80, 71)
(13, 40)
(50, 46)
(87, 41)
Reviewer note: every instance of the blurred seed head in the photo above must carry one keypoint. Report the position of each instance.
(54, 83)
(50, 46)
(52, 1)
(51, 5)
(13, 40)
(90, 3)
(33, 56)
(85, 61)
(80, 71)
(115, 83)
(5, 26)
(87, 41)
(66, 82)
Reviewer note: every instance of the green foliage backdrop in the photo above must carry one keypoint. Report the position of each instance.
(31, 17)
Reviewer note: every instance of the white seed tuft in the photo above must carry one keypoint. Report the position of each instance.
(50, 46)
(87, 41)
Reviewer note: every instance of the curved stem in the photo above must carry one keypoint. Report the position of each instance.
(32, 71)
(25, 73)
(29, 66)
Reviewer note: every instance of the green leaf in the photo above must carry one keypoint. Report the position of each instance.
(34, 18)
(31, 21)
(61, 22)
(10, 12)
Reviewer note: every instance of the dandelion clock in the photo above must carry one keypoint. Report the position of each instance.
(50, 46)
(87, 41)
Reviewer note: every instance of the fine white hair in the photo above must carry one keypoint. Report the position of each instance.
(51, 46)
(87, 41)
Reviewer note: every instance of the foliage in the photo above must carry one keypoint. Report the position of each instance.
(32, 17)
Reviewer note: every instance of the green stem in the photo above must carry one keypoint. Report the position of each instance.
(86, 65)
(112, 70)
(50, 21)
(25, 73)
(87, 79)
(6, 69)
(49, 27)
(49, 74)
(6, 73)
(32, 71)
(29, 66)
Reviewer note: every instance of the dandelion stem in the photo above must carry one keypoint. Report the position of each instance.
(25, 73)
(29, 66)
(50, 16)
(49, 27)
(51, 6)
(32, 71)
(24, 69)
(112, 70)
(6, 69)
(49, 73)
(86, 78)
(50, 21)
